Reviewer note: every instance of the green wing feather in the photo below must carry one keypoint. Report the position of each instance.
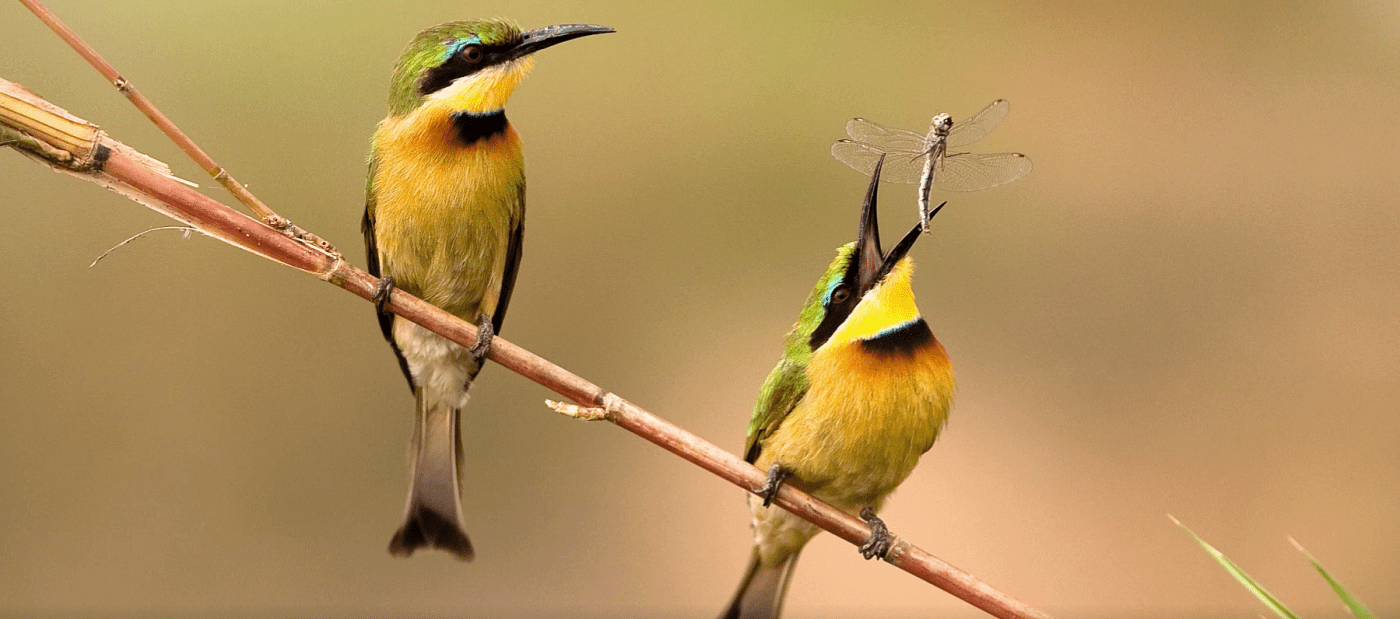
(780, 394)
(517, 243)
(386, 319)
(787, 383)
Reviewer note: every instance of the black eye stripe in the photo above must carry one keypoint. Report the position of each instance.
(457, 65)
(836, 312)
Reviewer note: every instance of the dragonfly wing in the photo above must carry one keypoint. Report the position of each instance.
(887, 139)
(899, 167)
(977, 127)
(973, 172)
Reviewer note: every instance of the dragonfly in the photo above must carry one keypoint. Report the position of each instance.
(914, 158)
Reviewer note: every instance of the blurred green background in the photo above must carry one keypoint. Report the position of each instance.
(1190, 306)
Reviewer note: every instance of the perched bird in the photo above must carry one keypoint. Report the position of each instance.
(861, 392)
(444, 219)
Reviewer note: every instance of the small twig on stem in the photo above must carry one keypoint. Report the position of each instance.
(187, 229)
(582, 413)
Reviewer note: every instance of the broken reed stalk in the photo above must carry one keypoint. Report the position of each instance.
(66, 143)
(262, 210)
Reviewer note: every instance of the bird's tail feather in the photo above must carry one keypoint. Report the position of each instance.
(761, 593)
(433, 517)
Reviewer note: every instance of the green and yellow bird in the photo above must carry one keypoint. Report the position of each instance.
(861, 392)
(444, 219)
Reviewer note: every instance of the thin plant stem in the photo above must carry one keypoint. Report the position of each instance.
(168, 127)
(136, 177)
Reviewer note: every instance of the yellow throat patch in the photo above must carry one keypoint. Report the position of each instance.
(484, 91)
(889, 304)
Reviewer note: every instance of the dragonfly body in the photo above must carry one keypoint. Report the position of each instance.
(937, 142)
(925, 159)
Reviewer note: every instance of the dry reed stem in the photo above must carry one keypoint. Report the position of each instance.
(99, 159)
(241, 193)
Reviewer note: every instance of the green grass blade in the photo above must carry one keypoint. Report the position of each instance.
(1264, 596)
(1354, 605)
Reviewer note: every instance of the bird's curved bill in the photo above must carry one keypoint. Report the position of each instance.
(540, 38)
(872, 264)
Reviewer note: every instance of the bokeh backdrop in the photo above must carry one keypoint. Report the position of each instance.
(1189, 307)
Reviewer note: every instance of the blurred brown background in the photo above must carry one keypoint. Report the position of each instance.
(1190, 306)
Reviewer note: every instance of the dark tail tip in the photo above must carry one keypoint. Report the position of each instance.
(423, 527)
(761, 592)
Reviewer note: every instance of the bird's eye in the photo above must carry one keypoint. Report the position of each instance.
(472, 53)
(840, 294)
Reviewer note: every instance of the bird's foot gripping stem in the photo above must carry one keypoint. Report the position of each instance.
(880, 540)
(485, 332)
(382, 290)
(770, 487)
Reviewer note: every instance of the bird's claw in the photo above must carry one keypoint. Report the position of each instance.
(485, 332)
(382, 290)
(880, 540)
(770, 487)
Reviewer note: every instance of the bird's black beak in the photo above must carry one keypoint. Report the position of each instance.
(869, 262)
(868, 259)
(535, 40)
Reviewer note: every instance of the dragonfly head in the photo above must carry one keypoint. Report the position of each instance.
(940, 125)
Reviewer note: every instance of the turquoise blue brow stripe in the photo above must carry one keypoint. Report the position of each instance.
(459, 45)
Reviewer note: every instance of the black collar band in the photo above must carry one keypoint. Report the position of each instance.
(472, 128)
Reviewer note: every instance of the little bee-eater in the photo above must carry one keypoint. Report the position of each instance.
(444, 219)
(861, 392)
